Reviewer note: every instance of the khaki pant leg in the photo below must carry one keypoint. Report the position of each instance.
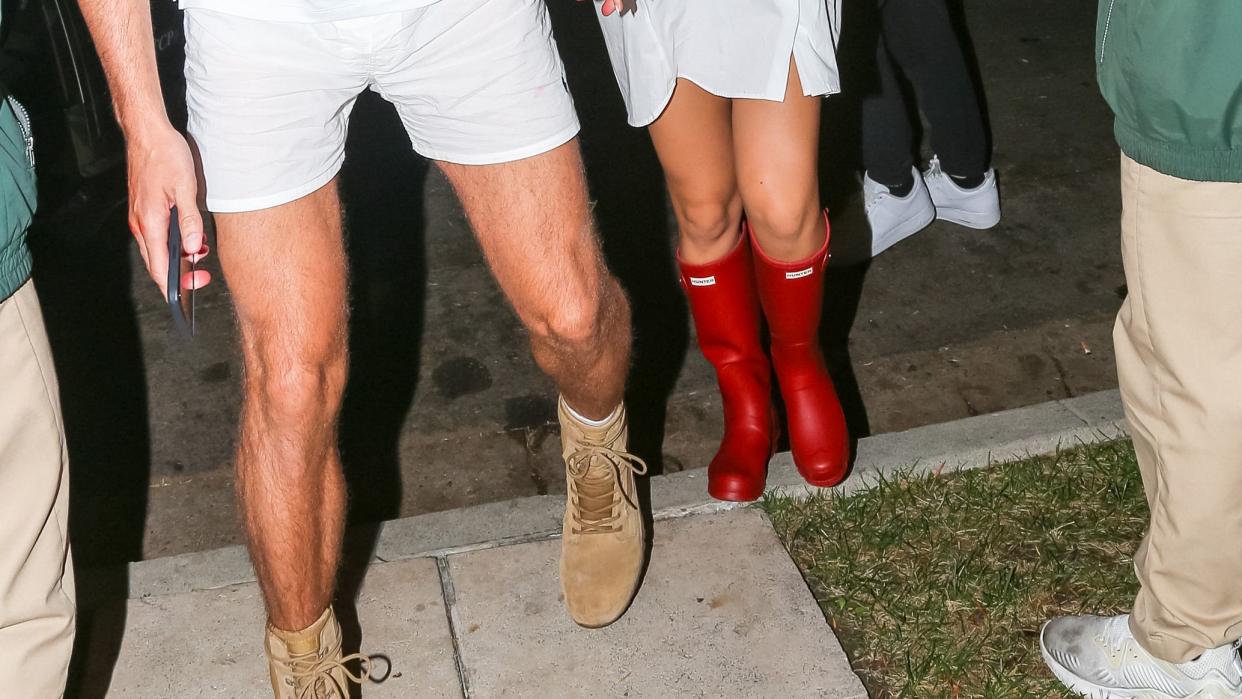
(1179, 362)
(36, 578)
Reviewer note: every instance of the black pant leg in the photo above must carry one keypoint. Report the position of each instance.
(922, 40)
(888, 147)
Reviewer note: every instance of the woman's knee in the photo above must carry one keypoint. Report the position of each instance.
(710, 224)
(784, 222)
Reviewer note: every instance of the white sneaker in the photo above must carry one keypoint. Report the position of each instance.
(1098, 657)
(893, 218)
(973, 208)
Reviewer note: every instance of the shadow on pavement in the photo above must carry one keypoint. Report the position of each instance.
(841, 162)
(627, 185)
(840, 191)
(84, 287)
(385, 241)
(385, 232)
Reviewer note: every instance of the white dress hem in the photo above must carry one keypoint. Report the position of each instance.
(736, 49)
(646, 120)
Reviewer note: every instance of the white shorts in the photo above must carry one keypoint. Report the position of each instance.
(731, 48)
(475, 82)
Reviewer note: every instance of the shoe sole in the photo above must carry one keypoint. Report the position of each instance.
(970, 219)
(736, 494)
(825, 482)
(906, 228)
(1090, 690)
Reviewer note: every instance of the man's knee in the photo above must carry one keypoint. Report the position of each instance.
(300, 386)
(579, 323)
(574, 323)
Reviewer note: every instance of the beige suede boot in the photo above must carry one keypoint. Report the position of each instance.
(307, 664)
(602, 543)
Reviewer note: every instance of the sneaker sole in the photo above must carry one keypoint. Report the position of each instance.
(1090, 690)
(915, 223)
(970, 219)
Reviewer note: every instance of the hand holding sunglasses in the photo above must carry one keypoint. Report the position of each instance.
(184, 278)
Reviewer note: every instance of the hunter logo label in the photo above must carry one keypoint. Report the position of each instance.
(800, 274)
(702, 281)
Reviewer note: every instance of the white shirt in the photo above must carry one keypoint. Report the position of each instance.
(304, 10)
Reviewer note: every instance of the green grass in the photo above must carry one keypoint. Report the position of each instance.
(938, 585)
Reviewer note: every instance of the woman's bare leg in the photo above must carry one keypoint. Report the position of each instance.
(776, 147)
(694, 141)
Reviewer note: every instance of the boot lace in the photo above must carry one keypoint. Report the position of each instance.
(312, 678)
(596, 473)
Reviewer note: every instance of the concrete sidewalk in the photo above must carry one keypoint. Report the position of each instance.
(467, 603)
(723, 611)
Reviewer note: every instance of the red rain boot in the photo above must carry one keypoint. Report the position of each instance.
(725, 306)
(792, 294)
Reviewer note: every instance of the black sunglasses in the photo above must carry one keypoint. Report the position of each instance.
(181, 269)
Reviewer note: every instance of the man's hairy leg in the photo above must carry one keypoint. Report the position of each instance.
(533, 221)
(286, 271)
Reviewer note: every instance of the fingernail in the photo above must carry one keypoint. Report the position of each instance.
(196, 280)
(195, 257)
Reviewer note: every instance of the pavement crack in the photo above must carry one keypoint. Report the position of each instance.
(532, 439)
(971, 410)
(1056, 362)
(449, 592)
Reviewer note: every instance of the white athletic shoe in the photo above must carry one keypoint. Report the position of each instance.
(1098, 658)
(973, 208)
(892, 218)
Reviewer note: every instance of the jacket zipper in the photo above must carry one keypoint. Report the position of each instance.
(1108, 18)
(23, 123)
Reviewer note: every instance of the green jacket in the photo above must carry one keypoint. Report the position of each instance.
(1172, 72)
(17, 196)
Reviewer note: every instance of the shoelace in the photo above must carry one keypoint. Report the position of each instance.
(1122, 653)
(872, 198)
(594, 511)
(308, 672)
(933, 168)
(1121, 648)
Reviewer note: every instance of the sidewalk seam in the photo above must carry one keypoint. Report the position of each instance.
(659, 515)
(449, 593)
(1077, 413)
(447, 551)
